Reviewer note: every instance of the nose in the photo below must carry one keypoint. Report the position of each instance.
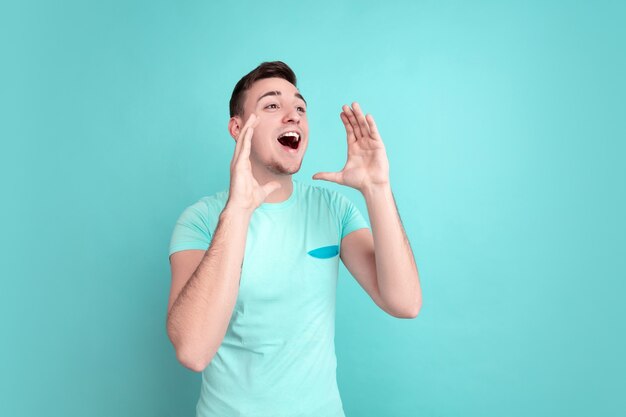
(292, 116)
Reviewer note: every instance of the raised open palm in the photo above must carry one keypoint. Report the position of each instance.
(367, 164)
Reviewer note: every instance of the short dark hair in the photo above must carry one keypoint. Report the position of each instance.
(274, 69)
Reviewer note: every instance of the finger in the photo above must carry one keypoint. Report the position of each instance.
(246, 145)
(270, 187)
(250, 124)
(237, 145)
(328, 176)
(240, 136)
(349, 131)
(372, 125)
(353, 122)
(360, 117)
(352, 119)
(252, 121)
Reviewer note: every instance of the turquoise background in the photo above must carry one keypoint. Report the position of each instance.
(504, 126)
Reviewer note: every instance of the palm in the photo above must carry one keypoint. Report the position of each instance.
(367, 162)
(245, 191)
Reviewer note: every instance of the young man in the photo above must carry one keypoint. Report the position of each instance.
(255, 312)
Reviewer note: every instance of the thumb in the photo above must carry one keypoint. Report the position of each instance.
(270, 187)
(328, 176)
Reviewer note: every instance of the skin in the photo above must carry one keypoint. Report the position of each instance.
(269, 163)
(205, 284)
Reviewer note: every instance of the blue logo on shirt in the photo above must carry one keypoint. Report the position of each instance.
(325, 252)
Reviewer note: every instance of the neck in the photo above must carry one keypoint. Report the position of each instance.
(280, 195)
(283, 193)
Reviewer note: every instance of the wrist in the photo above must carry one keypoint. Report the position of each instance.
(236, 213)
(376, 190)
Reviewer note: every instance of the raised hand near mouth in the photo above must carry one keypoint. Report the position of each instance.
(245, 192)
(367, 165)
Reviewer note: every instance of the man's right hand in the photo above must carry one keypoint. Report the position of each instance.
(245, 192)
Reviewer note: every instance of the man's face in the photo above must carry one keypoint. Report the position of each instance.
(280, 109)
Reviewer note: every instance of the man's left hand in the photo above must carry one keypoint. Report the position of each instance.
(367, 165)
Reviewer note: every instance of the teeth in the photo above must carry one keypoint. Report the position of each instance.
(294, 134)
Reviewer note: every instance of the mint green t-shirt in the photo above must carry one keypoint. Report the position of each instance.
(278, 355)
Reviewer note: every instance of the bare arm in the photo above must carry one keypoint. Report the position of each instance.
(396, 271)
(199, 314)
(205, 286)
(383, 263)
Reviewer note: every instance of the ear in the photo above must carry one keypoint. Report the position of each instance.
(235, 124)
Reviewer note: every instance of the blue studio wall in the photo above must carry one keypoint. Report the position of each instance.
(504, 126)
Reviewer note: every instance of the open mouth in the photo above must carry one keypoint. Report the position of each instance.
(290, 139)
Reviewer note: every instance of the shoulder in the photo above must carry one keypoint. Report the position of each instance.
(214, 201)
(206, 207)
(325, 199)
(317, 192)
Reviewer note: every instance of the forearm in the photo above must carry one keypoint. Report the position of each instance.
(396, 270)
(199, 317)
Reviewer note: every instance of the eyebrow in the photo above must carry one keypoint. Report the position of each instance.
(278, 93)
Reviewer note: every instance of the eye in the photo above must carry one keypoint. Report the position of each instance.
(272, 106)
(301, 109)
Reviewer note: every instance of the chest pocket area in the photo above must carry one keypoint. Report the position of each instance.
(325, 252)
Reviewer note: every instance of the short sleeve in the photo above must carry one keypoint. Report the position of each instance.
(192, 229)
(350, 216)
